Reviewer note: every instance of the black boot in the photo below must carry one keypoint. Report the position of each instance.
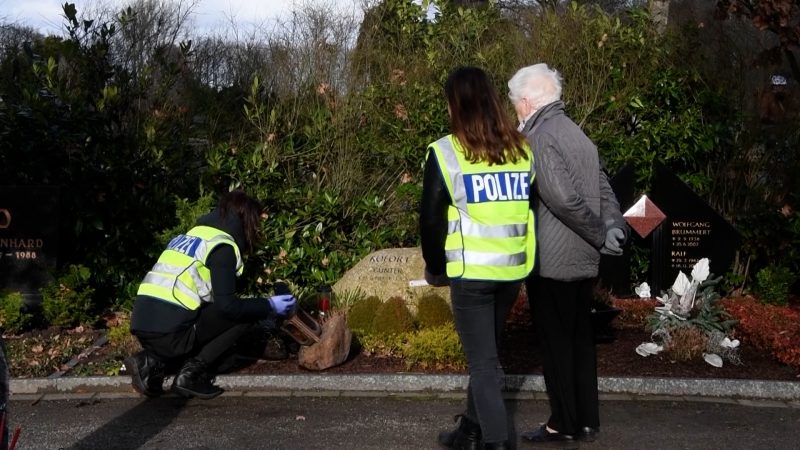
(496, 445)
(147, 374)
(467, 436)
(194, 380)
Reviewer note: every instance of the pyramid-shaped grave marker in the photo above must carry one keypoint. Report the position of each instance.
(644, 216)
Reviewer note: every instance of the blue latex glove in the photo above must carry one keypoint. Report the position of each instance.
(283, 305)
(613, 243)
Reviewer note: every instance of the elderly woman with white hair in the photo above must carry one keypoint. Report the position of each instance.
(578, 218)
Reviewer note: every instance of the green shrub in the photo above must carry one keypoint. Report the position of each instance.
(437, 347)
(773, 284)
(120, 338)
(68, 300)
(385, 345)
(362, 314)
(13, 315)
(393, 317)
(433, 311)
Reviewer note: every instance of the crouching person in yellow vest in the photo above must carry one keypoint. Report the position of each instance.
(186, 312)
(477, 234)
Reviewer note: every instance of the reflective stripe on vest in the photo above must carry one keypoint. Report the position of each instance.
(180, 275)
(490, 229)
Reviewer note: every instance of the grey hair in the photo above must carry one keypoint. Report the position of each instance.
(538, 83)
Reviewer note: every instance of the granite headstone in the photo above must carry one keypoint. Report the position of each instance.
(692, 231)
(28, 238)
(615, 271)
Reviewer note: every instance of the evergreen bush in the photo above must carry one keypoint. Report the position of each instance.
(120, 338)
(773, 284)
(361, 315)
(433, 311)
(435, 347)
(393, 317)
(333, 135)
(14, 316)
(67, 301)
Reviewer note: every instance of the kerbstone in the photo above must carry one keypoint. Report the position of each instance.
(786, 393)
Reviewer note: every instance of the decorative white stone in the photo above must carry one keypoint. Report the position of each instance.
(643, 290)
(728, 343)
(714, 360)
(648, 348)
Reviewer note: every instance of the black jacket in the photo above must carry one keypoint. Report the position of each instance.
(156, 316)
(433, 218)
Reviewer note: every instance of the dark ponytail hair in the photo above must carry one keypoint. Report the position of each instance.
(249, 212)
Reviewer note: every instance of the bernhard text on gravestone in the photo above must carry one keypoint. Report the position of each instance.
(28, 234)
(394, 272)
(691, 231)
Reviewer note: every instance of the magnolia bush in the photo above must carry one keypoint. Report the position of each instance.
(691, 307)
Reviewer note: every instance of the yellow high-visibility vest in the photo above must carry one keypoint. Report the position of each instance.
(180, 275)
(491, 228)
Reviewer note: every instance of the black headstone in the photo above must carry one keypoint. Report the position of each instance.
(615, 271)
(692, 231)
(28, 238)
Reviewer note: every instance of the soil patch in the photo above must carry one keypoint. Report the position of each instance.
(519, 355)
(43, 352)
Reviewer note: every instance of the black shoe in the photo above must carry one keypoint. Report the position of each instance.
(147, 374)
(496, 445)
(587, 434)
(543, 438)
(194, 380)
(467, 436)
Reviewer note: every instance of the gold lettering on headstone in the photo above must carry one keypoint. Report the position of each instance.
(687, 235)
(5, 219)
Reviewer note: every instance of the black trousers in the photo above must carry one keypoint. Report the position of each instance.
(210, 337)
(480, 309)
(561, 315)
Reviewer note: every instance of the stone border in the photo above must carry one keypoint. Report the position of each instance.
(388, 384)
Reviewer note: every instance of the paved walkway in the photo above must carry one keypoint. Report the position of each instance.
(399, 411)
(358, 420)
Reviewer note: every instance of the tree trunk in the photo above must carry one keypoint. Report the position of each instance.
(659, 9)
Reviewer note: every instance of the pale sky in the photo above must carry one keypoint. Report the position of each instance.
(46, 15)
